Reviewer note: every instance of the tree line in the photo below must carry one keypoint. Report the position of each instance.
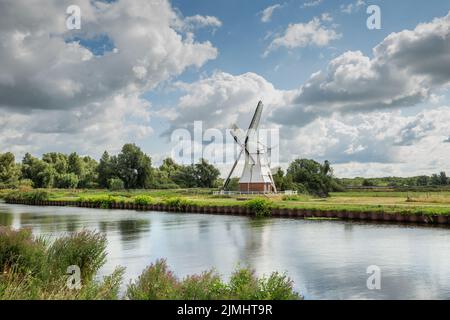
(130, 169)
(435, 180)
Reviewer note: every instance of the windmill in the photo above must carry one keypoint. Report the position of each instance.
(256, 176)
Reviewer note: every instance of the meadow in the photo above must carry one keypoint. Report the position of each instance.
(407, 202)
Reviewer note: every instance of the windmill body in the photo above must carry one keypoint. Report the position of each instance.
(256, 176)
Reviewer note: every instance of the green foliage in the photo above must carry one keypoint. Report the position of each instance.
(85, 249)
(158, 282)
(20, 253)
(143, 200)
(35, 195)
(66, 181)
(260, 207)
(313, 176)
(178, 203)
(9, 171)
(115, 184)
(31, 269)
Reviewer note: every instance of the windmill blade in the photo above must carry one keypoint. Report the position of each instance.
(256, 117)
(227, 182)
(235, 132)
(238, 135)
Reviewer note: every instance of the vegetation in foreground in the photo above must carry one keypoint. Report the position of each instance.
(32, 268)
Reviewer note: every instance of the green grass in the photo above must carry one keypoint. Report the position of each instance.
(427, 203)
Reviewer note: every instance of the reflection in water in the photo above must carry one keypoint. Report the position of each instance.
(326, 259)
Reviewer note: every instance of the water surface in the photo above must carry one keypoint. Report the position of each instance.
(326, 259)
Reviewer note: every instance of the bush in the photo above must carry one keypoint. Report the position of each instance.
(143, 200)
(105, 202)
(85, 249)
(67, 181)
(260, 207)
(19, 252)
(177, 203)
(30, 269)
(158, 282)
(36, 195)
(115, 184)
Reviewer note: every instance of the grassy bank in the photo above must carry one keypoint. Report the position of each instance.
(32, 268)
(408, 203)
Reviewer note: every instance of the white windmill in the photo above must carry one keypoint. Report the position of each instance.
(256, 176)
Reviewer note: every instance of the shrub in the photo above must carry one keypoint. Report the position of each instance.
(260, 207)
(143, 200)
(206, 286)
(116, 184)
(20, 252)
(177, 203)
(67, 181)
(156, 282)
(85, 249)
(36, 195)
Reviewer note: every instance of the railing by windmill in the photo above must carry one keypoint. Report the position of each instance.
(223, 192)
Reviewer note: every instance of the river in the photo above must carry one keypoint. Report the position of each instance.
(326, 259)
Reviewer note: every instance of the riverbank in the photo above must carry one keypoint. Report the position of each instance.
(429, 209)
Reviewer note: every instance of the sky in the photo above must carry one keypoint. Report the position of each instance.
(373, 102)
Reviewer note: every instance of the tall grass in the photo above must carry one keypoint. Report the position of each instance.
(260, 207)
(32, 268)
(158, 282)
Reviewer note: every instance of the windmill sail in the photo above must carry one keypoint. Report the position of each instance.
(256, 176)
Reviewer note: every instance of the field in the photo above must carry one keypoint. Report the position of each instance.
(364, 201)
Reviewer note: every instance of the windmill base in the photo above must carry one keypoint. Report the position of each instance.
(255, 187)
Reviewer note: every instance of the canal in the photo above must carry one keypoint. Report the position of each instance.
(326, 259)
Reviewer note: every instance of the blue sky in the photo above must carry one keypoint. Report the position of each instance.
(137, 70)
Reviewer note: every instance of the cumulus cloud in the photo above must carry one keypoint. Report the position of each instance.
(352, 7)
(266, 14)
(312, 33)
(54, 83)
(313, 3)
(223, 99)
(198, 21)
(406, 69)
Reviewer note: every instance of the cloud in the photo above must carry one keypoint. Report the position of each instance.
(302, 35)
(266, 14)
(223, 99)
(406, 69)
(198, 21)
(352, 7)
(313, 3)
(57, 90)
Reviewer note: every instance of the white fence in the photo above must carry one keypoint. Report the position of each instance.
(222, 192)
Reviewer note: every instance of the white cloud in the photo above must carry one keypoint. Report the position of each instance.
(407, 68)
(312, 3)
(198, 21)
(56, 93)
(352, 7)
(302, 35)
(266, 14)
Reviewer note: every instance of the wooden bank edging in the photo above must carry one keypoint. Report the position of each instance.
(242, 210)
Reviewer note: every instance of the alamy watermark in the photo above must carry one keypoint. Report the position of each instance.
(222, 147)
(74, 279)
(374, 20)
(374, 280)
(73, 21)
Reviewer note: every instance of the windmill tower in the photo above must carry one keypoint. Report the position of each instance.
(256, 176)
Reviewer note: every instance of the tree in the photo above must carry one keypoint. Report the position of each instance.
(134, 167)
(66, 181)
(206, 174)
(443, 178)
(9, 170)
(106, 170)
(57, 160)
(316, 178)
(423, 181)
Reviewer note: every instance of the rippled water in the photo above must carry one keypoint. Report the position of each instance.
(326, 259)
